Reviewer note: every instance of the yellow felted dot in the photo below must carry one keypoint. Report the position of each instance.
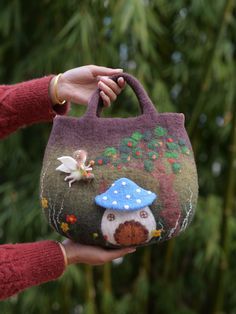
(44, 202)
(64, 227)
(157, 233)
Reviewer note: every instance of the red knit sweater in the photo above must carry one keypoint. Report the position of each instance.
(27, 264)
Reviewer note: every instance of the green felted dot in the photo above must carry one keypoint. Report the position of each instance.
(159, 131)
(171, 155)
(182, 142)
(125, 157)
(176, 167)
(124, 149)
(147, 136)
(185, 150)
(137, 153)
(148, 165)
(128, 141)
(110, 151)
(172, 146)
(153, 144)
(137, 136)
(153, 155)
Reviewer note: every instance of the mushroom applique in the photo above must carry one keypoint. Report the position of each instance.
(127, 219)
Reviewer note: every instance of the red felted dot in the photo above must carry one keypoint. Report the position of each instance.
(100, 161)
(71, 218)
(130, 144)
(138, 153)
(170, 140)
(171, 160)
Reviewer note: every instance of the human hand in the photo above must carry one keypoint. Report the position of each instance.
(93, 255)
(78, 84)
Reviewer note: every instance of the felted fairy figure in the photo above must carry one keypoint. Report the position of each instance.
(127, 220)
(76, 167)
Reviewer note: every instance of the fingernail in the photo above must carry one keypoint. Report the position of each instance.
(131, 250)
(120, 70)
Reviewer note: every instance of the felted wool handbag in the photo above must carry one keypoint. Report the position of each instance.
(117, 182)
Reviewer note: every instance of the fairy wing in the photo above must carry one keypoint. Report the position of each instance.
(69, 164)
(63, 169)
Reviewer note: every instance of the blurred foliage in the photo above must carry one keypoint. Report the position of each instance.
(184, 54)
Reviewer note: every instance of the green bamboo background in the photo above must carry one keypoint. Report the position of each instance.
(184, 54)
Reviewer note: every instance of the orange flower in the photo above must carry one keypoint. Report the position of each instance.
(71, 218)
(64, 227)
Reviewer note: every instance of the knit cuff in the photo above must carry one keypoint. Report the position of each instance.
(43, 260)
(32, 102)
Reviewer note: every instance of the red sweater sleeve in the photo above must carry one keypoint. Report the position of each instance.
(26, 103)
(28, 264)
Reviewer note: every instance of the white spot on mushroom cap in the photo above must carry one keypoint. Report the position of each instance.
(126, 206)
(128, 196)
(138, 190)
(138, 201)
(123, 183)
(104, 198)
(114, 202)
(115, 192)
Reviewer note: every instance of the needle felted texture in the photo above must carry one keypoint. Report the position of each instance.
(152, 150)
(125, 195)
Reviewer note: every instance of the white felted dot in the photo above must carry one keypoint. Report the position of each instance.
(126, 206)
(113, 184)
(127, 196)
(138, 190)
(114, 202)
(115, 192)
(149, 192)
(123, 183)
(138, 201)
(104, 198)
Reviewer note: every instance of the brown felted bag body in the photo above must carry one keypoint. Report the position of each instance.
(144, 170)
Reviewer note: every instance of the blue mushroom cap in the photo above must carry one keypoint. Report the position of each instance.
(124, 195)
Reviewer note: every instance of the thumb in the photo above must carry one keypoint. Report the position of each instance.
(103, 71)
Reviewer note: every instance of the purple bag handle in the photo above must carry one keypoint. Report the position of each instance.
(95, 104)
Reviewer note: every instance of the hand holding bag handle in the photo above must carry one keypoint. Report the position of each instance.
(95, 104)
